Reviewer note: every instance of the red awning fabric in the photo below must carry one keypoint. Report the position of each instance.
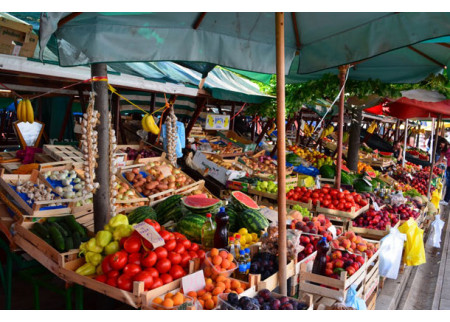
(377, 109)
(405, 108)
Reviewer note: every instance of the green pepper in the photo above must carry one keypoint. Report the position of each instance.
(83, 249)
(93, 258)
(122, 231)
(112, 247)
(108, 228)
(118, 220)
(103, 238)
(93, 247)
(86, 270)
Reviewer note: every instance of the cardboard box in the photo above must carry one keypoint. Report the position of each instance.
(16, 37)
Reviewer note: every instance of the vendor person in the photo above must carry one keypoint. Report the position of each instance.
(398, 151)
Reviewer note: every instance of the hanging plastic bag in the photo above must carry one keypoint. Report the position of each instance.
(414, 248)
(353, 301)
(391, 248)
(435, 233)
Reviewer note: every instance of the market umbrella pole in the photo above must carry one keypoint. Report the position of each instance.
(281, 155)
(433, 160)
(342, 72)
(102, 202)
(404, 143)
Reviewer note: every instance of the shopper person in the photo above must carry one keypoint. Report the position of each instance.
(445, 153)
(398, 151)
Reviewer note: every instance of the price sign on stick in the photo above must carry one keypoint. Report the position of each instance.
(193, 282)
(149, 233)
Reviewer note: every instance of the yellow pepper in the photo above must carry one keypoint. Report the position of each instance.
(118, 221)
(86, 270)
(93, 258)
(103, 238)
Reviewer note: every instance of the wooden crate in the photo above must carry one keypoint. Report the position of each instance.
(150, 306)
(64, 153)
(131, 204)
(36, 209)
(273, 281)
(308, 205)
(43, 158)
(342, 214)
(309, 260)
(371, 233)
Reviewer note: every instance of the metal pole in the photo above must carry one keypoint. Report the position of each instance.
(404, 143)
(102, 195)
(342, 72)
(281, 143)
(433, 160)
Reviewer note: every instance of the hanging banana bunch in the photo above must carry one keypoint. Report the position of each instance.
(372, 127)
(149, 125)
(171, 131)
(25, 111)
(308, 130)
(112, 166)
(327, 131)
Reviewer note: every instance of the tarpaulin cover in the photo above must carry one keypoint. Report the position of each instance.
(377, 109)
(405, 108)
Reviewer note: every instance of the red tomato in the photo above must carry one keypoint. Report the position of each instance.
(174, 258)
(166, 278)
(161, 252)
(326, 186)
(192, 254)
(165, 235)
(149, 259)
(101, 278)
(349, 198)
(346, 192)
(296, 196)
(118, 260)
(315, 195)
(131, 269)
(132, 244)
(185, 258)
(124, 282)
(112, 281)
(154, 224)
(157, 283)
(134, 258)
(163, 265)
(177, 272)
(106, 267)
(335, 202)
(348, 205)
(122, 241)
(145, 277)
(179, 248)
(340, 195)
(113, 274)
(146, 244)
(363, 202)
(178, 235)
(153, 271)
(187, 243)
(326, 203)
(315, 201)
(325, 191)
(201, 254)
(194, 247)
(333, 193)
(170, 245)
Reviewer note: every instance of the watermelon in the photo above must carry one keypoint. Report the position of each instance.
(386, 154)
(169, 209)
(201, 205)
(371, 174)
(253, 220)
(191, 226)
(361, 186)
(327, 171)
(140, 214)
(346, 179)
(242, 202)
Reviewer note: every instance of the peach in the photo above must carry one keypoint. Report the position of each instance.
(351, 236)
(362, 247)
(346, 243)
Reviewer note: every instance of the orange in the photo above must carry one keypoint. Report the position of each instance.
(221, 278)
(218, 290)
(214, 298)
(202, 303)
(217, 268)
(226, 263)
(239, 290)
(207, 271)
(192, 294)
(186, 300)
(168, 296)
(201, 293)
(167, 303)
(214, 252)
(235, 284)
(157, 300)
(209, 287)
(206, 296)
(217, 260)
(209, 304)
(230, 257)
(178, 299)
(220, 284)
(223, 254)
(232, 265)
(209, 281)
(227, 290)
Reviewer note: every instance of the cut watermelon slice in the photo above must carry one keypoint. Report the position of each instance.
(242, 201)
(371, 174)
(386, 154)
(201, 196)
(201, 205)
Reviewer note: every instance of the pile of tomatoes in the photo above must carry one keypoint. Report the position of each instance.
(138, 261)
(328, 197)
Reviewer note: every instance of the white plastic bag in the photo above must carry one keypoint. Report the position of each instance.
(397, 199)
(391, 253)
(435, 233)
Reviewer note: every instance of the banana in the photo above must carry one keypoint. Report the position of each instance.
(29, 114)
(19, 111)
(144, 123)
(23, 111)
(152, 125)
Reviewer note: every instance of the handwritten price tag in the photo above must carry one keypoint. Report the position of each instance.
(148, 232)
(270, 214)
(193, 282)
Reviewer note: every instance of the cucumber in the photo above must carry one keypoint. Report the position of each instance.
(76, 240)
(41, 230)
(75, 226)
(57, 238)
(61, 230)
(68, 243)
(66, 227)
(54, 219)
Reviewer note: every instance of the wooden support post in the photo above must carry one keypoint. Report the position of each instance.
(281, 143)
(340, 123)
(66, 118)
(102, 195)
(433, 160)
(299, 122)
(397, 129)
(233, 109)
(200, 106)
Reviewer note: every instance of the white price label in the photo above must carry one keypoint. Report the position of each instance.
(193, 282)
(148, 232)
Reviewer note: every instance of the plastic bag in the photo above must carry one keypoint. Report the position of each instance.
(397, 199)
(391, 248)
(353, 301)
(435, 233)
(414, 248)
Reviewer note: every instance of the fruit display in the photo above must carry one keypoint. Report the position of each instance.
(169, 209)
(405, 212)
(264, 300)
(362, 168)
(201, 204)
(349, 242)
(132, 154)
(309, 242)
(265, 264)
(149, 125)
(267, 186)
(316, 158)
(246, 239)
(25, 111)
(316, 226)
(418, 180)
(329, 198)
(370, 195)
(261, 164)
(418, 153)
(62, 233)
(377, 220)
(340, 261)
(223, 163)
(436, 171)
(241, 201)
(269, 243)
(172, 301)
